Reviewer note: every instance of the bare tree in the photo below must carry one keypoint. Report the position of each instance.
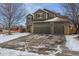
(72, 11)
(11, 13)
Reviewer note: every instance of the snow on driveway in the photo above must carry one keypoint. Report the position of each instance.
(72, 43)
(4, 37)
(11, 52)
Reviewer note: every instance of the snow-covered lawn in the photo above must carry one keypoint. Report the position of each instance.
(4, 37)
(72, 43)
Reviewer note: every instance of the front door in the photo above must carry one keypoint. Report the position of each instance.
(58, 28)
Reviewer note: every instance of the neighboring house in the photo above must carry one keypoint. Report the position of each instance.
(14, 29)
(17, 29)
(48, 22)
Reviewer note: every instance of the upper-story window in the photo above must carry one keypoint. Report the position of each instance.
(39, 15)
(29, 18)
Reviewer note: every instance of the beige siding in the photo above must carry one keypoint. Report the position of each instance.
(32, 28)
(66, 28)
(39, 16)
(52, 28)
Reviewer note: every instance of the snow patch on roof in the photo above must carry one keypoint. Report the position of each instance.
(56, 19)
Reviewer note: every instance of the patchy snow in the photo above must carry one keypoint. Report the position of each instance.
(56, 19)
(4, 37)
(72, 43)
(59, 50)
(10, 52)
(38, 46)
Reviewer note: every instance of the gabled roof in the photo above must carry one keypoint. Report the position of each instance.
(39, 10)
(29, 15)
(46, 11)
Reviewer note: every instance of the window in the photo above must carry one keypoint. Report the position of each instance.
(39, 15)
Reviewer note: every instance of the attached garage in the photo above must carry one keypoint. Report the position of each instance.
(57, 26)
(41, 27)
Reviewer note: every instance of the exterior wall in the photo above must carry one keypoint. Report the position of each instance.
(41, 28)
(51, 15)
(32, 28)
(72, 29)
(29, 19)
(29, 23)
(69, 29)
(42, 15)
(49, 28)
(66, 28)
(29, 28)
(39, 16)
(52, 27)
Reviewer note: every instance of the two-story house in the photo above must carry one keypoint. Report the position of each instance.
(39, 15)
(48, 22)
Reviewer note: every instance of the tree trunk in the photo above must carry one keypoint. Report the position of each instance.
(77, 28)
(9, 31)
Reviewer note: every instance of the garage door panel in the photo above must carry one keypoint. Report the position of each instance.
(58, 28)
